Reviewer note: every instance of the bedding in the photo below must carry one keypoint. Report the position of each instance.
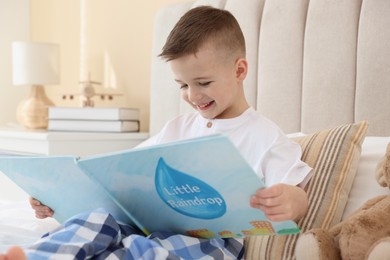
(365, 185)
(18, 225)
(97, 235)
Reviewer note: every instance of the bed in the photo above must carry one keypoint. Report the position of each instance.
(316, 68)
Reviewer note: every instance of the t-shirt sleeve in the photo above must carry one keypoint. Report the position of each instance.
(282, 164)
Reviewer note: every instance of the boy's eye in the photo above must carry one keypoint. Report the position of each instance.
(204, 84)
(183, 86)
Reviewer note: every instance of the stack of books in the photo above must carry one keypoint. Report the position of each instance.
(93, 119)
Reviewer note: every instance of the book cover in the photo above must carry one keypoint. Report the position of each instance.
(93, 125)
(199, 187)
(59, 183)
(94, 113)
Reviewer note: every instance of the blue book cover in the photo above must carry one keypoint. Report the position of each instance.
(59, 183)
(198, 187)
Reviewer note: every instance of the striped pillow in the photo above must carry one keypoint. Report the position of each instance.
(334, 155)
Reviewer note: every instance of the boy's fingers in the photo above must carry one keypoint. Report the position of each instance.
(270, 192)
(44, 213)
(41, 211)
(34, 202)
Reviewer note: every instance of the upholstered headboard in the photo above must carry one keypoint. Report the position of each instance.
(312, 64)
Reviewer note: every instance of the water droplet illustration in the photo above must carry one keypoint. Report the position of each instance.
(186, 194)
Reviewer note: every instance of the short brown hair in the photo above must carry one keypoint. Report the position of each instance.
(200, 25)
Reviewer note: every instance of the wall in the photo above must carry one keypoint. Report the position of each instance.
(14, 25)
(118, 39)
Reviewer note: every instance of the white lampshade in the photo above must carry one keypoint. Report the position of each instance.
(35, 63)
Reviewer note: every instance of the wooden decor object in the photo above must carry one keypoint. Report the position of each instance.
(32, 112)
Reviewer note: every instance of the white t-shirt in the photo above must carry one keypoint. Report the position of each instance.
(265, 147)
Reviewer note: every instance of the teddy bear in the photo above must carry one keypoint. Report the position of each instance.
(363, 235)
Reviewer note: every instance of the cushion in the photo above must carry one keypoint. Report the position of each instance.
(365, 185)
(334, 155)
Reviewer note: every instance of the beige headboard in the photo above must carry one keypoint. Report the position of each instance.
(312, 64)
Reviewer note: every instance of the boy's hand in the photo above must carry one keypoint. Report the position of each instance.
(41, 211)
(281, 202)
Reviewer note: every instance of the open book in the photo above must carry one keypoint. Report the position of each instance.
(198, 187)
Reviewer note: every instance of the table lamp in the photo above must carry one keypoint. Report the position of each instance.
(35, 64)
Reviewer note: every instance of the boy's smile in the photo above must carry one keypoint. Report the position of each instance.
(203, 106)
(211, 82)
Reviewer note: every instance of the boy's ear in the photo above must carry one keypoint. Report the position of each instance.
(241, 68)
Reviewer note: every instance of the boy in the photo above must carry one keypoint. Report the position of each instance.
(206, 52)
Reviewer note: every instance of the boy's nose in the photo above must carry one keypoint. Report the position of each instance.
(194, 95)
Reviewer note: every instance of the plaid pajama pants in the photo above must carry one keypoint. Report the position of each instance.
(96, 235)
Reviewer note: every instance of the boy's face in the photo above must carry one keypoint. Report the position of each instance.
(211, 83)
